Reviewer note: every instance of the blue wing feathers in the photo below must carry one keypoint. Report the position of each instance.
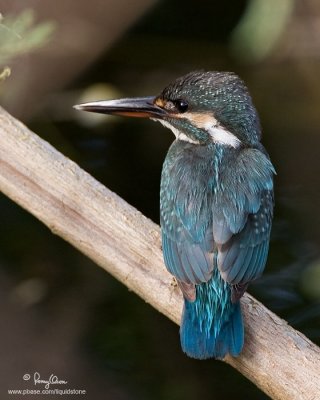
(242, 257)
(186, 261)
(234, 274)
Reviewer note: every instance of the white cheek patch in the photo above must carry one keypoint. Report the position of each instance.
(178, 134)
(216, 131)
(223, 136)
(206, 122)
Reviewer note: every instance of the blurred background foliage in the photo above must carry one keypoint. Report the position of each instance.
(61, 313)
(19, 34)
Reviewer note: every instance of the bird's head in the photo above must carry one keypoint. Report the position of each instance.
(200, 107)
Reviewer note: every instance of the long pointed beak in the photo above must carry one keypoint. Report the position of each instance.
(142, 107)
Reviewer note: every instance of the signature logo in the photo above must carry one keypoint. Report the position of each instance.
(53, 380)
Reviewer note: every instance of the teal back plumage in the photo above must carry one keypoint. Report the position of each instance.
(216, 222)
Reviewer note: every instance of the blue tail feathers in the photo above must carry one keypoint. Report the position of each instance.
(212, 325)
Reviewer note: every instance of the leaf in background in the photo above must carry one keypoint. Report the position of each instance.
(20, 34)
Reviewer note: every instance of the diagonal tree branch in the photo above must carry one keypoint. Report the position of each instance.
(277, 358)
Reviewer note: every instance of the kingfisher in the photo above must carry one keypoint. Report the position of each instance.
(216, 201)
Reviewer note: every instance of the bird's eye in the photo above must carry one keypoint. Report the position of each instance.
(181, 105)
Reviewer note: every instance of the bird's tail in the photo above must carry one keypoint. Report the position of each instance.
(211, 325)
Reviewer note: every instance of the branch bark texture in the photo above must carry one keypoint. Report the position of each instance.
(278, 359)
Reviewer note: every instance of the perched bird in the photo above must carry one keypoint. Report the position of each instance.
(216, 201)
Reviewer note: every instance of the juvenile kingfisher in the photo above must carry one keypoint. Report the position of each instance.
(216, 201)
